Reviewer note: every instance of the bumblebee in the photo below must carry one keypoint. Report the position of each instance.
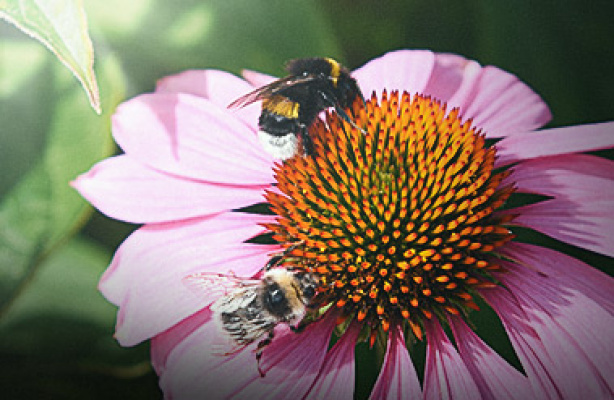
(291, 104)
(249, 310)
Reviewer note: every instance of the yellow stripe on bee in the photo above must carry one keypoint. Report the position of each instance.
(281, 105)
(335, 70)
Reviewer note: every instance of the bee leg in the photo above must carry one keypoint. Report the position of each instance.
(331, 102)
(298, 328)
(261, 345)
(307, 142)
(347, 119)
(278, 258)
(340, 111)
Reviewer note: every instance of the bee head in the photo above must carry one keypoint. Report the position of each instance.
(307, 285)
(347, 90)
(310, 66)
(286, 293)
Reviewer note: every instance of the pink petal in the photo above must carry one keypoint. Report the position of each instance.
(191, 137)
(397, 379)
(193, 371)
(571, 139)
(446, 376)
(336, 378)
(497, 101)
(581, 211)
(564, 270)
(163, 344)
(292, 362)
(584, 225)
(552, 327)
(221, 87)
(145, 278)
(575, 176)
(452, 74)
(526, 343)
(257, 79)
(495, 378)
(403, 70)
(126, 190)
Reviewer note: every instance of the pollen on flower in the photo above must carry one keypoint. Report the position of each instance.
(397, 217)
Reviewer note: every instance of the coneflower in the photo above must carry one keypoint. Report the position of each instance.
(405, 216)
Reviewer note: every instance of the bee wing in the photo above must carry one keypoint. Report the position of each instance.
(239, 327)
(227, 294)
(239, 298)
(236, 316)
(268, 90)
(213, 286)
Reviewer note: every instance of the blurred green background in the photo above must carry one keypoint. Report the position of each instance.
(55, 328)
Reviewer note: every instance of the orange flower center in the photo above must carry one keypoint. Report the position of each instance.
(397, 219)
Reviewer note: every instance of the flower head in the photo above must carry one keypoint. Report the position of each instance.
(398, 220)
(403, 216)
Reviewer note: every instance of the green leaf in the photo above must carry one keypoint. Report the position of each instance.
(42, 209)
(26, 79)
(60, 25)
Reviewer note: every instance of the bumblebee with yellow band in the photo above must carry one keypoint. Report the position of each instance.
(291, 104)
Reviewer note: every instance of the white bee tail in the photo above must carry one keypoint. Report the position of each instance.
(282, 147)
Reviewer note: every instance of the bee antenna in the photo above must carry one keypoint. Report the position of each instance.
(279, 257)
(273, 262)
(307, 142)
(364, 102)
(264, 343)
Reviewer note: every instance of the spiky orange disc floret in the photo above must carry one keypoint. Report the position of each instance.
(396, 220)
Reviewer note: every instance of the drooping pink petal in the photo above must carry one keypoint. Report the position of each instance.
(558, 332)
(145, 278)
(126, 190)
(401, 70)
(397, 379)
(292, 362)
(495, 378)
(549, 142)
(578, 223)
(192, 370)
(189, 367)
(576, 176)
(564, 270)
(220, 87)
(191, 137)
(336, 378)
(164, 343)
(580, 212)
(526, 343)
(446, 376)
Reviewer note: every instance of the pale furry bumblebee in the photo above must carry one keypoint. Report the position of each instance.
(250, 309)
